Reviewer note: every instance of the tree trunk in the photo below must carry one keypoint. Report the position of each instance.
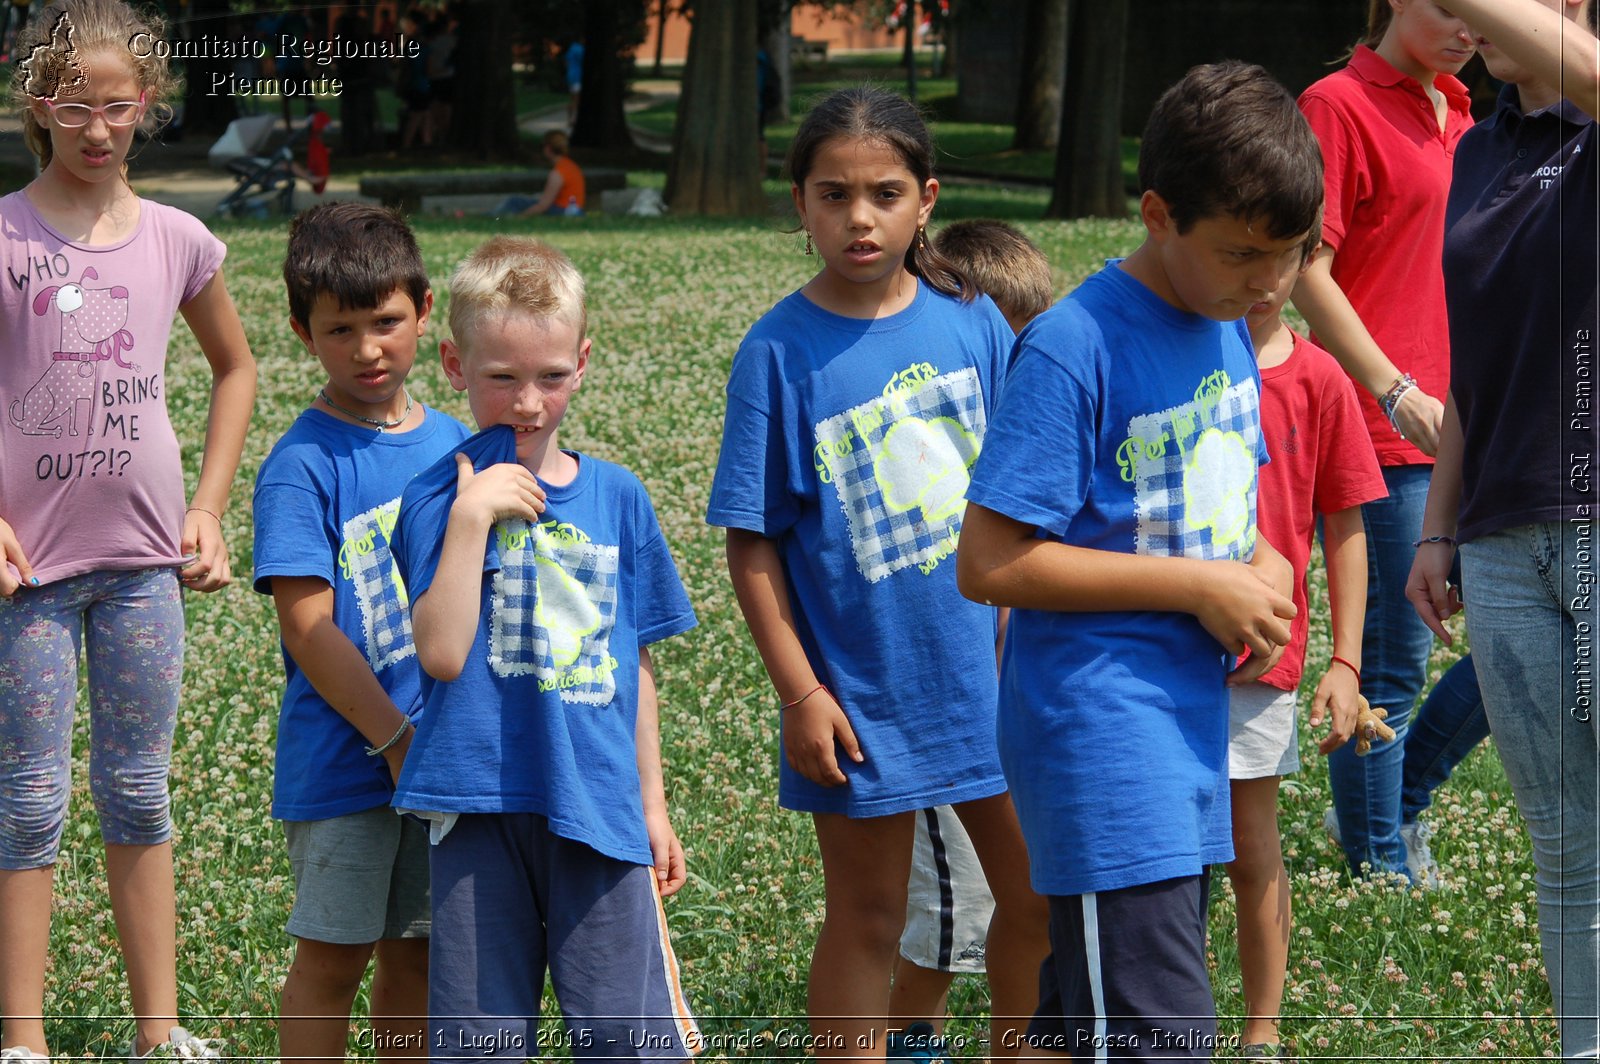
(952, 41)
(1088, 178)
(488, 125)
(203, 112)
(661, 35)
(714, 167)
(1044, 60)
(601, 121)
(911, 50)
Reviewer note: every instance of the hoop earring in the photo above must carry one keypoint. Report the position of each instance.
(808, 243)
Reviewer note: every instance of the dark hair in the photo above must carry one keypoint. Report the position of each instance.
(358, 253)
(869, 113)
(1594, 16)
(1228, 141)
(1002, 263)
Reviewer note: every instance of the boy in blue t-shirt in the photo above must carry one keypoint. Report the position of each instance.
(1113, 507)
(325, 504)
(538, 578)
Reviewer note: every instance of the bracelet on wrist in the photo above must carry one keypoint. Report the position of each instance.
(790, 705)
(1434, 539)
(1389, 402)
(1402, 384)
(375, 751)
(1337, 660)
(203, 510)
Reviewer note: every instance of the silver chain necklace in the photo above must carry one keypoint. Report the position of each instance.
(376, 423)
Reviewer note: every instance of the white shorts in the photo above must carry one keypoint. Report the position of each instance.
(1262, 736)
(948, 903)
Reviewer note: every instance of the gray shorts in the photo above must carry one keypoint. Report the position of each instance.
(1262, 736)
(359, 878)
(948, 904)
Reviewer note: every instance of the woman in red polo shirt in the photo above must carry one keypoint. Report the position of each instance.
(1388, 123)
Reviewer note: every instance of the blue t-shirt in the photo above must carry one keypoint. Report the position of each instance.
(849, 442)
(574, 65)
(541, 719)
(1127, 425)
(325, 504)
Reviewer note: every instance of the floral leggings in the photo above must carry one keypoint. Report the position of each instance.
(130, 622)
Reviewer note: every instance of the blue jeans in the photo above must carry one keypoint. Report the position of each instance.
(1448, 727)
(1369, 792)
(517, 204)
(1533, 630)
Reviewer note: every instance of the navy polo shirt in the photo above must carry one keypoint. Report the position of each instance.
(1520, 256)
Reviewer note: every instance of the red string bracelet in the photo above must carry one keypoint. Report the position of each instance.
(1346, 664)
(790, 705)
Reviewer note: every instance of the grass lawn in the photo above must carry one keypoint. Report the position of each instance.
(964, 147)
(1374, 971)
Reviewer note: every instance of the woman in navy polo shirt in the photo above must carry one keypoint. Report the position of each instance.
(1514, 482)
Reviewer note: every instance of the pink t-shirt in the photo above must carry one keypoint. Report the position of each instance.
(1386, 169)
(1322, 462)
(90, 476)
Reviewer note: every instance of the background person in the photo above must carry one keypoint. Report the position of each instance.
(564, 192)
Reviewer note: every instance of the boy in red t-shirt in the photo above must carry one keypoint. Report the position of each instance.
(1322, 463)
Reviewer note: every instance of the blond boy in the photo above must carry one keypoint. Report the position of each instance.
(538, 576)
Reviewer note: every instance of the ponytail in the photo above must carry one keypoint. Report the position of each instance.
(1379, 16)
(937, 272)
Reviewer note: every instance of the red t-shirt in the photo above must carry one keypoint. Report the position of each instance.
(1387, 175)
(1321, 463)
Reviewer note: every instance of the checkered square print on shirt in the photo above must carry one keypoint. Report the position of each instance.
(380, 594)
(555, 604)
(900, 463)
(1193, 468)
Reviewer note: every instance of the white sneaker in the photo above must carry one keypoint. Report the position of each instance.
(1330, 824)
(21, 1054)
(1419, 858)
(180, 1045)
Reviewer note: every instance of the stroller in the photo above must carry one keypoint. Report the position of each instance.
(261, 177)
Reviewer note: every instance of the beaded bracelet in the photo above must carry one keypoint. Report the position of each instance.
(1390, 400)
(1346, 664)
(374, 751)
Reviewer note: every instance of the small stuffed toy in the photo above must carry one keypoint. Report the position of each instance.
(1370, 726)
